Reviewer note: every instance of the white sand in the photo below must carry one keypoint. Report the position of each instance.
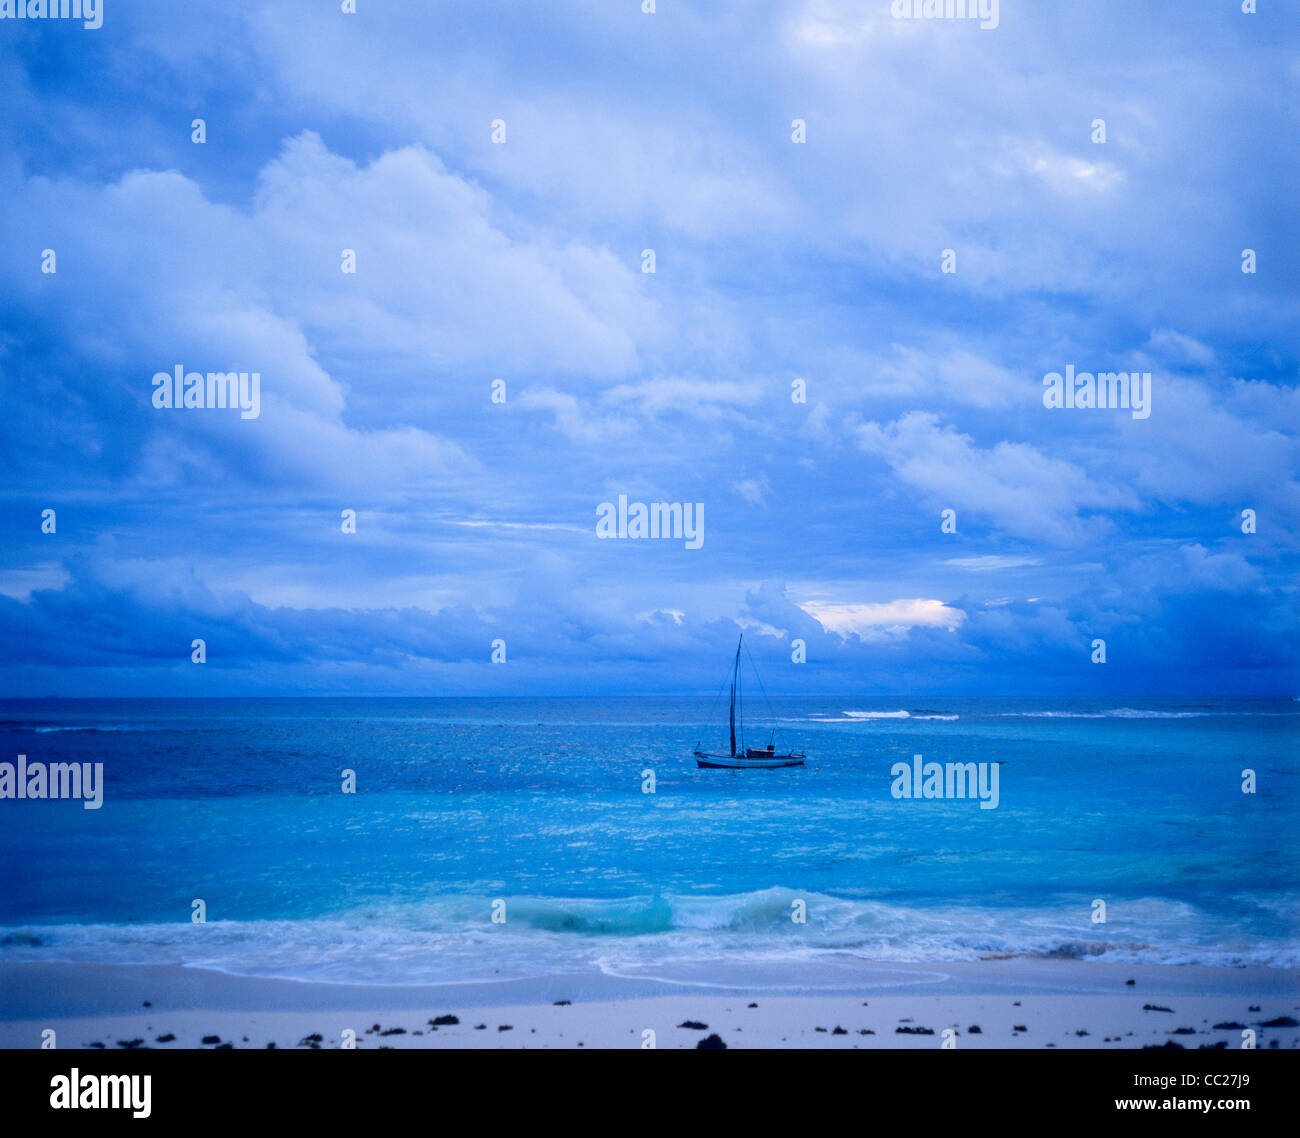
(1052, 1000)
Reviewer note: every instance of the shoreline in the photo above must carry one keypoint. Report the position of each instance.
(1065, 1004)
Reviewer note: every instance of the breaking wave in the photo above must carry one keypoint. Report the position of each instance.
(452, 939)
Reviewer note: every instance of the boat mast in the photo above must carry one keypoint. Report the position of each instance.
(735, 674)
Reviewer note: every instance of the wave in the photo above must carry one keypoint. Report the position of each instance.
(46, 728)
(1131, 713)
(99, 727)
(1108, 713)
(868, 716)
(217, 724)
(692, 938)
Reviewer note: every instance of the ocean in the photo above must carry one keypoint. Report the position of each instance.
(535, 812)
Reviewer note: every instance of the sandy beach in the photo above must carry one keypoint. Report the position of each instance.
(990, 1004)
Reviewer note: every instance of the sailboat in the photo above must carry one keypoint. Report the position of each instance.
(746, 758)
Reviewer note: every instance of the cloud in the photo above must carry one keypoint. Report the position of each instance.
(521, 262)
(752, 490)
(1063, 173)
(698, 398)
(570, 417)
(1014, 485)
(952, 376)
(186, 281)
(1208, 446)
(991, 561)
(1178, 348)
(889, 617)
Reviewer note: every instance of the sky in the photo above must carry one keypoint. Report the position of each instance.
(499, 171)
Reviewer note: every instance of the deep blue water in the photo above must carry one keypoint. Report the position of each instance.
(539, 803)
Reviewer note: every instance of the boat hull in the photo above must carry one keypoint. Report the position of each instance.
(737, 763)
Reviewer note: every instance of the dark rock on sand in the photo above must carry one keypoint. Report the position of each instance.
(913, 1031)
(1229, 1025)
(1281, 1021)
(821, 1029)
(314, 1037)
(865, 1031)
(694, 1025)
(1155, 1008)
(505, 1027)
(168, 1038)
(217, 1039)
(147, 1004)
(1129, 983)
(1213, 1046)
(839, 1031)
(753, 1005)
(96, 1045)
(1019, 1027)
(394, 1031)
(1183, 1031)
(711, 1043)
(1167, 1045)
(1253, 1008)
(480, 1027)
(974, 1029)
(442, 1021)
(231, 1046)
(561, 1003)
(130, 1044)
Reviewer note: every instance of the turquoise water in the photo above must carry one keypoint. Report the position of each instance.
(539, 804)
